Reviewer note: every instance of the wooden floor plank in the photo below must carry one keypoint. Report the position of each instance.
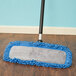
(11, 69)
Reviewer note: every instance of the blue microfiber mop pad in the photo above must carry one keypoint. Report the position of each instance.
(68, 61)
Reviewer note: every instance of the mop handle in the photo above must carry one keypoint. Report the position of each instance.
(41, 20)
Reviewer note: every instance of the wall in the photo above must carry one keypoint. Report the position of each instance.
(58, 13)
(19, 12)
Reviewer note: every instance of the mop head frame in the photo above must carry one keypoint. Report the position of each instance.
(68, 61)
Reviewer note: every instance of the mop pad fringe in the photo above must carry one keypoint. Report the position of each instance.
(67, 64)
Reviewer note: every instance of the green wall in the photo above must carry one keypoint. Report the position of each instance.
(58, 13)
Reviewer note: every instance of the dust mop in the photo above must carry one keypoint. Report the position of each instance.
(38, 53)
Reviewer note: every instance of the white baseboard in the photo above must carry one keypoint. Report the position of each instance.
(35, 30)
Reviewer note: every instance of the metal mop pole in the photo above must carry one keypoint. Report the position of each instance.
(41, 20)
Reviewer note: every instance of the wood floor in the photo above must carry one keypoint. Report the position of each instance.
(11, 69)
